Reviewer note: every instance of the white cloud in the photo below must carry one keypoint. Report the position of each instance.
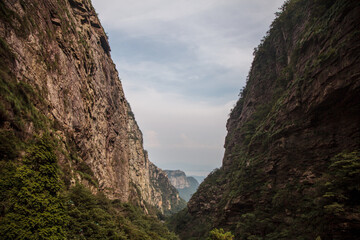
(136, 16)
(142, 71)
(214, 29)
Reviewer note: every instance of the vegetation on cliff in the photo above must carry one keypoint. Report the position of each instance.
(36, 197)
(291, 162)
(37, 205)
(54, 56)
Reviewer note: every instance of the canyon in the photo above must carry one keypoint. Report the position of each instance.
(72, 161)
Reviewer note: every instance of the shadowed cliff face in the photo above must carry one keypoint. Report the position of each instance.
(293, 135)
(60, 51)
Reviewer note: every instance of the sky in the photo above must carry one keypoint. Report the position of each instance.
(182, 64)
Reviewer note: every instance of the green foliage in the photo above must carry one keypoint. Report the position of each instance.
(34, 204)
(178, 205)
(88, 218)
(18, 104)
(220, 234)
(251, 126)
(198, 229)
(10, 145)
(344, 174)
(342, 191)
(17, 98)
(327, 205)
(96, 217)
(7, 172)
(86, 173)
(35, 208)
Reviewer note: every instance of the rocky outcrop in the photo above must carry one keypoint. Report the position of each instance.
(177, 178)
(185, 185)
(61, 51)
(293, 136)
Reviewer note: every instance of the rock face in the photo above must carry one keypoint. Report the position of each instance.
(291, 163)
(170, 196)
(61, 51)
(178, 178)
(185, 185)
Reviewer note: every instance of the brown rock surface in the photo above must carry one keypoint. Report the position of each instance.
(62, 51)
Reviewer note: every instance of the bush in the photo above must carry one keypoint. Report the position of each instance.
(35, 208)
(220, 234)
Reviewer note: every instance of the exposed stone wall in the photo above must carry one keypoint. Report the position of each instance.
(62, 51)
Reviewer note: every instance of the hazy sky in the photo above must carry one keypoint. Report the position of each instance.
(182, 64)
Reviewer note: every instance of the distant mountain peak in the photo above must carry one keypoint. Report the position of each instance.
(185, 185)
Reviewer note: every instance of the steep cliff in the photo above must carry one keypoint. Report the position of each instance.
(291, 167)
(57, 77)
(184, 184)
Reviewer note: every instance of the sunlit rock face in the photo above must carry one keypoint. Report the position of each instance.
(62, 51)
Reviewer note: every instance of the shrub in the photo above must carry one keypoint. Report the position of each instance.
(220, 234)
(36, 209)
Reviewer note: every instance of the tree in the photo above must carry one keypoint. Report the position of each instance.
(36, 211)
(220, 234)
(342, 186)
